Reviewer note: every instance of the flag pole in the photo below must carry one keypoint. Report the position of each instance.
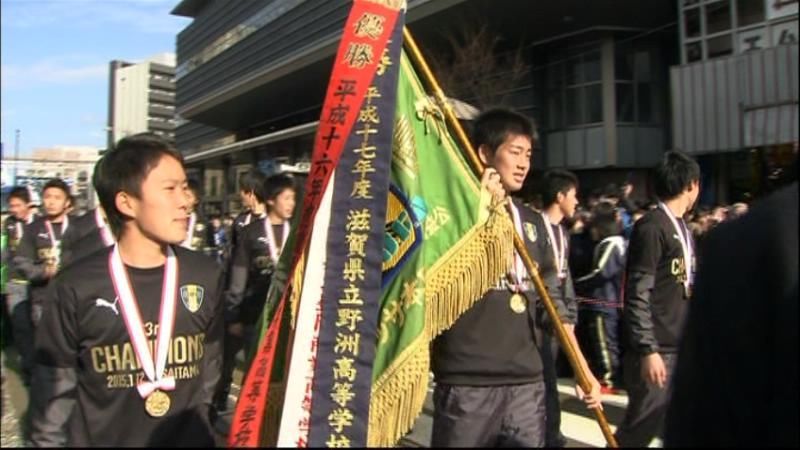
(533, 269)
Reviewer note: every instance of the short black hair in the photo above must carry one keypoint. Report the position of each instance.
(674, 174)
(275, 184)
(57, 183)
(21, 193)
(124, 169)
(557, 181)
(605, 220)
(611, 191)
(494, 126)
(254, 182)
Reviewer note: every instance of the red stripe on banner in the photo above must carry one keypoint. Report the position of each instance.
(248, 417)
(354, 68)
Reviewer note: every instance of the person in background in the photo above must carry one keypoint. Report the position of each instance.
(251, 185)
(38, 256)
(91, 231)
(18, 305)
(219, 235)
(559, 196)
(198, 236)
(254, 260)
(599, 310)
(659, 279)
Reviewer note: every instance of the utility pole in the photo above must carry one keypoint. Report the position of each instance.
(16, 153)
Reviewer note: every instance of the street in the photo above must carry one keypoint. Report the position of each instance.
(577, 423)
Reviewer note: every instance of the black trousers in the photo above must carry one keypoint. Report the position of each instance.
(598, 335)
(548, 348)
(488, 416)
(647, 404)
(232, 346)
(22, 327)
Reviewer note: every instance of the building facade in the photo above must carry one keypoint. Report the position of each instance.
(735, 93)
(73, 164)
(142, 98)
(251, 78)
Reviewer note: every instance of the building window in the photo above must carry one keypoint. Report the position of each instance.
(749, 12)
(575, 90)
(718, 28)
(692, 18)
(635, 85)
(720, 46)
(718, 17)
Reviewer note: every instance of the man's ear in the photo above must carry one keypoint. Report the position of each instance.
(125, 204)
(485, 154)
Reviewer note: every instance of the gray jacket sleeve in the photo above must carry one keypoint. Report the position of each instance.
(54, 381)
(52, 400)
(570, 301)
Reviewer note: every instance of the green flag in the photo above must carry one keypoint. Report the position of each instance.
(444, 248)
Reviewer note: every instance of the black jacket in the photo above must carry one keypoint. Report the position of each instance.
(655, 302)
(491, 344)
(84, 392)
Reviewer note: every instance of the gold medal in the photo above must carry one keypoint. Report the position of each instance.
(157, 403)
(517, 303)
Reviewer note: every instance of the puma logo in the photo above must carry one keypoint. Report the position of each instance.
(103, 302)
(44, 235)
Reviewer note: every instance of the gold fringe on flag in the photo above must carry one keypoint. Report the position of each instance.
(297, 289)
(459, 279)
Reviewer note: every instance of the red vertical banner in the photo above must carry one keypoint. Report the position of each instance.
(357, 59)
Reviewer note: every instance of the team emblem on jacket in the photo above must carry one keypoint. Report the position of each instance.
(530, 231)
(192, 296)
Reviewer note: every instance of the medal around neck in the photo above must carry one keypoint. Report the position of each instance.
(157, 404)
(517, 303)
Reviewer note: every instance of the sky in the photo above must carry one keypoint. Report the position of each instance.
(54, 64)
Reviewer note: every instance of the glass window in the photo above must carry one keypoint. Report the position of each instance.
(555, 75)
(749, 12)
(718, 17)
(720, 46)
(625, 102)
(644, 102)
(694, 52)
(556, 109)
(574, 107)
(594, 103)
(623, 63)
(641, 63)
(574, 71)
(692, 18)
(591, 65)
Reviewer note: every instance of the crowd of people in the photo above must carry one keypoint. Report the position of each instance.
(131, 315)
